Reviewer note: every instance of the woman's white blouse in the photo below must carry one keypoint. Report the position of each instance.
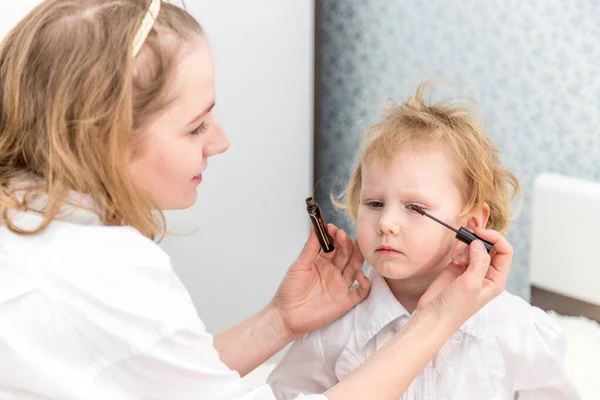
(95, 312)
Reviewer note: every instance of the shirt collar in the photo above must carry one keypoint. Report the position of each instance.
(381, 308)
(78, 208)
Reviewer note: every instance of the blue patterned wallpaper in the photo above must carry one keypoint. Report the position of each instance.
(530, 65)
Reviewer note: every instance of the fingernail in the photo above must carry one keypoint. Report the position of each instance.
(455, 253)
(479, 245)
(461, 258)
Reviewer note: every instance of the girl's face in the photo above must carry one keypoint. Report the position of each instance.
(397, 242)
(180, 140)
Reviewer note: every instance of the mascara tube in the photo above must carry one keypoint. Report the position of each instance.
(316, 217)
(462, 234)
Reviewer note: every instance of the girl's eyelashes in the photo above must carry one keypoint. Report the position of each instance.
(375, 204)
(415, 205)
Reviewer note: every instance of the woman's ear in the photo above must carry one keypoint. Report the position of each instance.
(480, 218)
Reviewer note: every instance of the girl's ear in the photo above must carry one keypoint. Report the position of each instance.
(480, 218)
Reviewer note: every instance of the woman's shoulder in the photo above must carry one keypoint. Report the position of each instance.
(107, 281)
(82, 242)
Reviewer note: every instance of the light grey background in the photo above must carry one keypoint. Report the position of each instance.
(250, 223)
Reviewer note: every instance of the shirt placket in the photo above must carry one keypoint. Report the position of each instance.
(429, 382)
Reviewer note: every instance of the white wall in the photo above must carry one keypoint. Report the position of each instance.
(250, 219)
(12, 11)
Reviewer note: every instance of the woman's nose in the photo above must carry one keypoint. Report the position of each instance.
(218, 145)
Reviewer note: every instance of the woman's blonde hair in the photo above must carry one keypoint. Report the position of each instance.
(74, 101)
(484, 179)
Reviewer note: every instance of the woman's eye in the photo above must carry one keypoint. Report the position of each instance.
(200, 129)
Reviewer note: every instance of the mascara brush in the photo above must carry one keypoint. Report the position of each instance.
(462, 234)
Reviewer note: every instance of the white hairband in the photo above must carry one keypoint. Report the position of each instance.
(146, 26)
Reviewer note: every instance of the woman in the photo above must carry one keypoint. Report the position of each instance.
(106, 117)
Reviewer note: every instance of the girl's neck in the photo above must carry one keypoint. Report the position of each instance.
(409, 291)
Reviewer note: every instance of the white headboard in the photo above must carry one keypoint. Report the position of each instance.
(565, 246)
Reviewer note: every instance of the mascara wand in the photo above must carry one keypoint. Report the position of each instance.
(462, 234)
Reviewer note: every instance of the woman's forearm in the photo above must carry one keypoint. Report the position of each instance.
(388, 373)
(247, 345)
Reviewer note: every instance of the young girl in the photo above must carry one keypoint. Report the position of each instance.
(438, 158)
(106, 119)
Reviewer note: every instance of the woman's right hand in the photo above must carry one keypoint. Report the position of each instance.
(471, 280)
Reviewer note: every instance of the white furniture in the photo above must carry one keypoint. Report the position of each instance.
(565, 269)
(565, 237)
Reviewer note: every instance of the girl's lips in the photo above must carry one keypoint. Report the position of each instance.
(388, 251)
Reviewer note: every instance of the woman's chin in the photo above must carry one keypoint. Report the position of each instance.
(181, 203)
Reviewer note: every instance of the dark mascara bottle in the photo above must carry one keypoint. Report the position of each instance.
(314, 212)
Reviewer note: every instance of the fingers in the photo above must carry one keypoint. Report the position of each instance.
(448, 275)
(354, 265)
(501, 255)
(346, 257)
(343, 252)
(362, 291)
(479, 262)
(487, 273)
(460, 254)
(333, 231)
(345, 249)
(503, 251)
(311, 248)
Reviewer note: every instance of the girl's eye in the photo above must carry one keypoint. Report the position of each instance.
(375, 204)
(200, 129)
(415, 205)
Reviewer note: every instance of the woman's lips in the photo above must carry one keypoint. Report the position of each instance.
(197, 179)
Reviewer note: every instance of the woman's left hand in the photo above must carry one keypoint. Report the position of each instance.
(315, 290)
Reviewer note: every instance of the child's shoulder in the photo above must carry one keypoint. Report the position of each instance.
(341, 329)
(337, 333)
(325, 344)
(512, 309)
(509, 316)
